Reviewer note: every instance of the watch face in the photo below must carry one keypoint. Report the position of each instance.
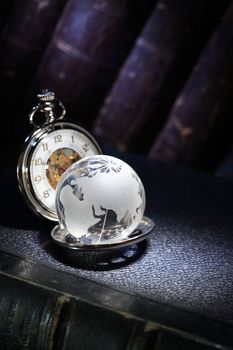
(48, 157)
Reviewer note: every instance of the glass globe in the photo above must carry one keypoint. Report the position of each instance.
(100, 199)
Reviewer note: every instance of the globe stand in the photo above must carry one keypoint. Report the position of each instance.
(63, 238)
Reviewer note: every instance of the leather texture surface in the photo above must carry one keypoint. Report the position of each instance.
(188, 260)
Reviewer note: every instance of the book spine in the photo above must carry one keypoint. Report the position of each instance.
(134, 95)
(197, 107)
(90, 43)
(29, 315)
(23, 40)
(35, 317)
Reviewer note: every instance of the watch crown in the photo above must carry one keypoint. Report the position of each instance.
(47, 106)
(46, 95)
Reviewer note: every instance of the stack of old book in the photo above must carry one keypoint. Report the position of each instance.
(154, 78)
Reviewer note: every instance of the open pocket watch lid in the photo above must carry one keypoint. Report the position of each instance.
(53, 146)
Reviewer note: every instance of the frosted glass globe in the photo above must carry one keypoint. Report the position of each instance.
(100, 199)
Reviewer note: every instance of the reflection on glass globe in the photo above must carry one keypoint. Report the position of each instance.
(100, 200)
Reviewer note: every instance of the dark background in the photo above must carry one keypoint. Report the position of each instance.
(153, 78)
(149, 77)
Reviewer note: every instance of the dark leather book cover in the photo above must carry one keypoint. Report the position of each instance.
(34, 316)
(90, 43)
(171, 291)
(165, 49)
(23, 40)
(201, 101)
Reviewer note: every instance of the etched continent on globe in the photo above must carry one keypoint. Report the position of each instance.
(100, 199)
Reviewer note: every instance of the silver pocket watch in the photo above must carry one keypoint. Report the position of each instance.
(52, 147)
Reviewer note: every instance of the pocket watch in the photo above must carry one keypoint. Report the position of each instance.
(52, 147)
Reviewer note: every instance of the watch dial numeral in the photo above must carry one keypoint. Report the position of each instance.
(37, 179)
(38, 161)
(85, 147)
(58, 138)
(46, 194)
(72, 138)
(45, 147)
